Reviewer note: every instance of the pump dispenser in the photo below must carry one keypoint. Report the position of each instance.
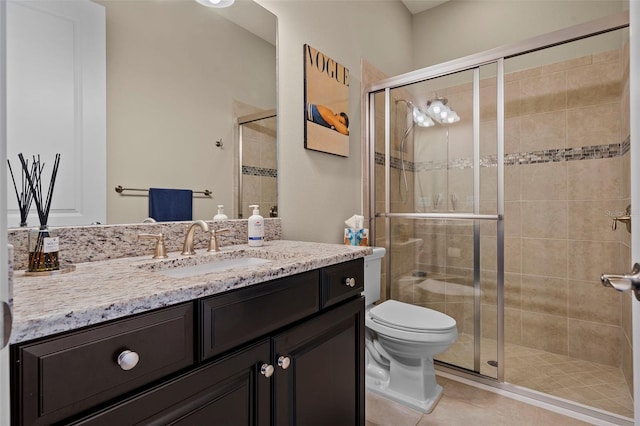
(256, 228)
(220, 215)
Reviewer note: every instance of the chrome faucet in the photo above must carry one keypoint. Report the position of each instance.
(187, 248)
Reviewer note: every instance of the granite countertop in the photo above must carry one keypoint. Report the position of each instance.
(105, 290)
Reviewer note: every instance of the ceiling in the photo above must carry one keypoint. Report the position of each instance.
(417, 6)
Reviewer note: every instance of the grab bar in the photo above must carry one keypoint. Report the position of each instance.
(120, 189)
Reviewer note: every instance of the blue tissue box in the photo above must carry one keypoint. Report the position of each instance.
(356, 237)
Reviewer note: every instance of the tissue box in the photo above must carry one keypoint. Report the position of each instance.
(356, 237)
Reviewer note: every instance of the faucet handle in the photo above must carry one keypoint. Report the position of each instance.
(214, 245)
(160, 251)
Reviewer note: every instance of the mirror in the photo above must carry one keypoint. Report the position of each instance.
(178, 77)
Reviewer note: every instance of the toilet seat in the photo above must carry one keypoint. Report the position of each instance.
(416, 319)
(411, 323)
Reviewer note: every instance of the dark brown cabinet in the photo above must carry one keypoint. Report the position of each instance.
(230, 391)
(323, 382)
(286, 352)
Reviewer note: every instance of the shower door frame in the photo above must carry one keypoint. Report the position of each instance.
(474, 62)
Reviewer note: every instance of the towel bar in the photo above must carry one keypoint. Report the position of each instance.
(120, 189)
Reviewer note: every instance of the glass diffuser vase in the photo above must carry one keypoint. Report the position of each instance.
(44, 250)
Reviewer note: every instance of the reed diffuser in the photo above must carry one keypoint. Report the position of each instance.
(43, 243)
(25, 196)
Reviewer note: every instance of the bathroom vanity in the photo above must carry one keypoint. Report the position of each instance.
(277, 343)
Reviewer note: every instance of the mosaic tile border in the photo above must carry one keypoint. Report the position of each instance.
(592, 152)
(259, 171)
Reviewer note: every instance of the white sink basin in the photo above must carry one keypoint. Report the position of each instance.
(212, 267)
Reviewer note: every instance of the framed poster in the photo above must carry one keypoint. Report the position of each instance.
(326, 103)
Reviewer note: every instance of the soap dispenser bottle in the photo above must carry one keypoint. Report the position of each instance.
(220, 215)
(256, 228)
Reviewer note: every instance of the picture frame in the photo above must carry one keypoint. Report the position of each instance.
(326, 104)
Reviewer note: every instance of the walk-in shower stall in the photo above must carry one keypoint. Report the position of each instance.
(495, 185)
(257, 164)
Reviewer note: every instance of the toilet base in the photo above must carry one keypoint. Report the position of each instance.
(426, 406)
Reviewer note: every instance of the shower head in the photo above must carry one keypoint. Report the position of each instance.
(441, 112)
(420, 118)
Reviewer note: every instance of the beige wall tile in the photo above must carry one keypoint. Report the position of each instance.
(544, 295)
(489, 321)
(545, 332)
(544, 181)
(590, 301)
(429, 291)
(594, 84)
(513, 326)
(544, 219)
(513, 219)
(625, 179)
(513, 291)
(488, 185)
(565, 65)
(589, 259)
(512, 181)
(591, 220)
(594, 179)
(626, 303)
(460, 251)
(488, 138)
(488, 102)
(512, 96)
(544, 257)
(513, 255)
(595, 342)
(543, 131)
(594, 125)
(269, 190)
(543, 94)
(512, 135)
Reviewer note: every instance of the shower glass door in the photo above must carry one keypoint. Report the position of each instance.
(437, 205)
(505, 218)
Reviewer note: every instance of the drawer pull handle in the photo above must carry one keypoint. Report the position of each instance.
(350, 282)
(284, 362)
(266, 370)
(128, 359)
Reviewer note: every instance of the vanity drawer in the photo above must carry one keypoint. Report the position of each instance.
(231, 319)
(66, 375)
(342, 281)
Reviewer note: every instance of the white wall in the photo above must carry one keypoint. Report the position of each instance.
(460, 27)
(317, 191)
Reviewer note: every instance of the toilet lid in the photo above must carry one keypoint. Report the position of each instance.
(403, 316)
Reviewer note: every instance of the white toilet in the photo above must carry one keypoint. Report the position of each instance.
(401, 341)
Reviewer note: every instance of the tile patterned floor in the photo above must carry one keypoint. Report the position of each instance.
(462, 404)
(587, 383)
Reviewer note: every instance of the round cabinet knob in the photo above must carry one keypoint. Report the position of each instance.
(266, 370)
(350, 282)
(128, 359)
(284, 362)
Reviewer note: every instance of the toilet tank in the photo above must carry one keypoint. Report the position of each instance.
(372, 266)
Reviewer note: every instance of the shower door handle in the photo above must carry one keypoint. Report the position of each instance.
(626, 282)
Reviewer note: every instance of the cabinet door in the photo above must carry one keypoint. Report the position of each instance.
(323, 382)
(230, 391)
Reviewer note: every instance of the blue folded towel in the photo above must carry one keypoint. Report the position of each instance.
(167, 205)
